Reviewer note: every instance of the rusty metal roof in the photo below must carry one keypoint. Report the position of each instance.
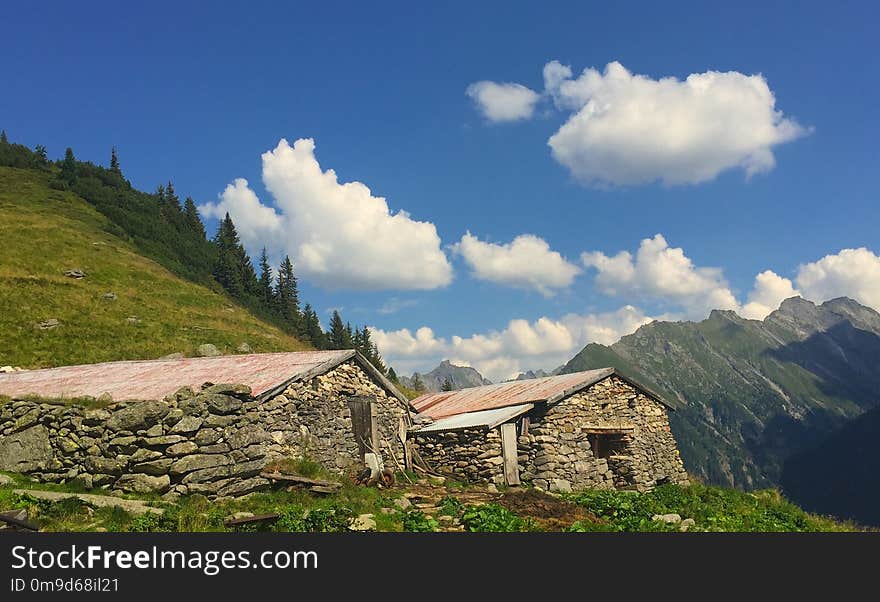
(537, 390)
(154, 379)
(481, 419)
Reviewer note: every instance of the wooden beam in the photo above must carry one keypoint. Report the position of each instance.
(509, 453)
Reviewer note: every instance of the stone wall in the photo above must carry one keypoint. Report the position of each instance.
(556, 453)
(472, 455)
(215, 442)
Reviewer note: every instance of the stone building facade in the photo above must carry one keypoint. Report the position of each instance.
(214, 441)
(608, 434)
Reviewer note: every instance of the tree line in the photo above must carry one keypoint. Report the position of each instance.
(171, 232)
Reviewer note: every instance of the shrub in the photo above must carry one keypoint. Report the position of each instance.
(492, 518)
(418, 522)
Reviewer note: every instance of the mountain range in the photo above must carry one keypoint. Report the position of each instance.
(761, 401)
(460, 377)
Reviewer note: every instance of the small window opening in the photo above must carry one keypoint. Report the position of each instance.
(605, 446)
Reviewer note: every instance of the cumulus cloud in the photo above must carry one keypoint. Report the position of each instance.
(527, 262)
(500, 102)
(853, 273)
(339, 234)
(629, 129)
(662, 273)
(501, 354)
(769, 291)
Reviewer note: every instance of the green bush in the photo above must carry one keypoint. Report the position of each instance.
(418, 522)
(492, 518)
(451, 506)
(317, 520)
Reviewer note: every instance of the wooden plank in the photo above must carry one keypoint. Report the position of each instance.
(362, 415)
(292, 478)
(509, 453)
(407, 452)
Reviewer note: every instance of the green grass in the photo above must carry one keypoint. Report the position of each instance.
(45, 232)
(712, 508)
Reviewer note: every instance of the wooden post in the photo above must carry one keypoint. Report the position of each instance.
(404, 444)
(364, 424)
(509, 453)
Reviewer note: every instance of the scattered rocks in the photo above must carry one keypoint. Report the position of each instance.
(75, 274)
(48, 324)
(207, 350)
(364, 522)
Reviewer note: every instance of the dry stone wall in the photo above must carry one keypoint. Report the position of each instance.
(214, 442)
(472, 455)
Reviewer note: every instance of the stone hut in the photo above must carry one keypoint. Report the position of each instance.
(165, 426)
(594, 429)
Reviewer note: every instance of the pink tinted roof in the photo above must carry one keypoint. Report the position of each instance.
(154, 379)
(551, 388)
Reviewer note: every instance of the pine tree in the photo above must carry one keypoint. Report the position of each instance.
(448, 385)
(193, 221)
(336, 336)
(267, 293)
(160, 195)
(287, 293)
(392, 376)
(42, 158)
(68, 167)
(312, 328)
(348, 341)
(3, 138)
(417, 383)
(233, 268)
(114, 162)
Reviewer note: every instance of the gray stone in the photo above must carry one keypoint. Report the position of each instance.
(232, 390)
(144, 483)
(109, 297)
(687, 524)
(26, 451)
(28, 419)
(163, 440)
(187, 424)
(48, 324)
(137, 416)
(214, 420)
(172, 356)
(222, 404)
(4, 480)
(181, 394)
(244, 348)
(237, 487)
(198, 462)
(153, 467)
(107, 466)
(145, 455)
(132, 320)
(157, 430)
(402, 503)
(206, 474)
(207, 350)
(364, 522)
(246, 436)
(96, 417)
(207, 436)
(669, 519)
(182, 449)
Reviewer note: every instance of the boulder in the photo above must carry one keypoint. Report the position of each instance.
(207, 350)
(144, 483)
(140, 415)
(222, 404)
(669, 519)
(26, 451)
(364, 522)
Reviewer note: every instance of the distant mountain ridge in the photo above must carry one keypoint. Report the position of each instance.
(754, 394)
(461, 377)
(530, 374)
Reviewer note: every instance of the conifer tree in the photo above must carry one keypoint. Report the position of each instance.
(447, 385)
(3, 138)
(42, 158)
(267, 293)
(312, 328)
(193, 221)
(417, 383)
(68, 167)
(171, 199)
(114, 162)
(392, 376)
(233, 268)
(287, 293)
(337, 334)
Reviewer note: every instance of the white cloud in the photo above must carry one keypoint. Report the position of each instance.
(853, 273)
(395, 304)
(526, 262)
(503, 101)
(339, 234)
(500, 354)
(769, 291)
(662, 273)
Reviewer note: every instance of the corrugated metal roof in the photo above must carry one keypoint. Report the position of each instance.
(483, 418)
(154, 379)
(537, 390)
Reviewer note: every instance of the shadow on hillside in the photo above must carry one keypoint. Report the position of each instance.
(845, 359)
(841, 475)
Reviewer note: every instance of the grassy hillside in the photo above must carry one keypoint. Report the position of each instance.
(45, 232)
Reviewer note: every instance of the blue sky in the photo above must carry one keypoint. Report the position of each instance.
(197, 93)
